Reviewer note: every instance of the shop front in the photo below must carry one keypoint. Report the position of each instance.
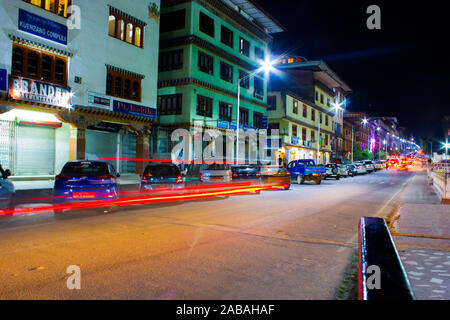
(40, 131)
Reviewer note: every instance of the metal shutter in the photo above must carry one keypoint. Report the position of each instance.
(129, 141)
(35, 151)
(101, 144)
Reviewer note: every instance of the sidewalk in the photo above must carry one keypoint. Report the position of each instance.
(422, 236)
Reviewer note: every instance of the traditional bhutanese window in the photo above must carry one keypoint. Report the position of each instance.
(58, 7)
(38, 65)
(124, 27)
(112, 26)
(123, 84)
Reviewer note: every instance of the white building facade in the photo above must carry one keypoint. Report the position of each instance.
(78, 80)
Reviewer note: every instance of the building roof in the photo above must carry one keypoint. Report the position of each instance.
(261, 16)
(319, 66)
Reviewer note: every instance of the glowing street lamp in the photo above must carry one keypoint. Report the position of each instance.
(266, 65)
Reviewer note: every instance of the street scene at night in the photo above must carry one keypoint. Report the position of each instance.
(223, 155)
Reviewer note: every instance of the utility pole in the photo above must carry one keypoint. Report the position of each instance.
(237, 121)
(318, 144)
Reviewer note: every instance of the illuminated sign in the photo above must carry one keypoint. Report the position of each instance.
(134, 109)
(42, 27)
(39, 92)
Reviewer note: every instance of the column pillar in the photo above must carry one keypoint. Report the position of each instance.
(142, 152)
(77, 144)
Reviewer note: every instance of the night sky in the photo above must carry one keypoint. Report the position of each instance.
(401, 70)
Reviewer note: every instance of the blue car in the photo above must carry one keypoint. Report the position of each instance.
(306, 170)
(86, 180)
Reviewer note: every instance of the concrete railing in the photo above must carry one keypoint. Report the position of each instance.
(381, 273)
(441, 182)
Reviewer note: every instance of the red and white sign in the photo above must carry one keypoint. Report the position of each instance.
(39, 92)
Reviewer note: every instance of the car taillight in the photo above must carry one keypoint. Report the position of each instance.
(179, 179)
(62, 176)
(106, 177)
(258, 175)
(235, 175)
(288, 174)
(201, 177)
(231, 176)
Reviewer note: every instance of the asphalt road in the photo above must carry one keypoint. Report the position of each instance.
(292, 244)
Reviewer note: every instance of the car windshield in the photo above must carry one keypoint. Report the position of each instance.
(85, 169)
(162, 171)
(245, 169)
(215, 166)
(368, 162)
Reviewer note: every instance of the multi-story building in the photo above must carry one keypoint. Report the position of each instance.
(82, 82)
(307, 105)
(207, 49)
(363, 130)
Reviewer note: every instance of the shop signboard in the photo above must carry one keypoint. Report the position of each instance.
(134, 109)
(39, 92)
(42, 27)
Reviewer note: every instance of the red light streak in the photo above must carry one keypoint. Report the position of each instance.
(136, 200)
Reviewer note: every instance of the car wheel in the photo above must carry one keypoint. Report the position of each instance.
(337, 178)
(318, 181)
(288, 187)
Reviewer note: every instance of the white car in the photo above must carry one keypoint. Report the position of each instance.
(377, 165)
(369, 166)
(360, 168)
(343, 170)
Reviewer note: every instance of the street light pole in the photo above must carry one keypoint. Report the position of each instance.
(318, 143)
(237, 120)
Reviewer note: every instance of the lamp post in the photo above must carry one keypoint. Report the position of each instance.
(266, 66)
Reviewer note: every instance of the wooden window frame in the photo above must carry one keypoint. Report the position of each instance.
(171, 55)
(242, 48)
(204, 106)
(243, 119)
(257, 120)
(126, 20)
(223, 76)
(38, 76)
(224, 40)
(229, 114)
(177, 110)
(210, 33)
(121, 94)
(208, 68)
(258, 94)
(295, 106)
(42, 6)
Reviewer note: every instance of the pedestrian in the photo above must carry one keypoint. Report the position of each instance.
(280, 161)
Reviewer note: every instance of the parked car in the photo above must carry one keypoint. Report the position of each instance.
(306, 170)
(351, 169)
(377, 165)
(360, 168)
(343, 170)
(246, 173)
(198, 174)
(161, 176)
(7, 190)
(369, 166)
(332, 171)
(86, 180)
(275, 176)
